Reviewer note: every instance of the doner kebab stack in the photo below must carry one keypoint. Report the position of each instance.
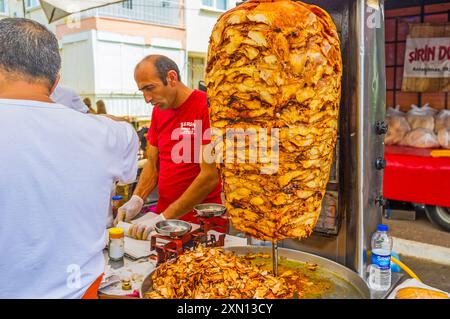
(275, 66)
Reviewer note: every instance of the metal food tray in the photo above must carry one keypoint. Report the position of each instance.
(347, 283)
(172, 227)
(209, 210)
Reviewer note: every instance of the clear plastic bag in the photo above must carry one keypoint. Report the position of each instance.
(442, 120)
(421, 138)
(444, 137)
(397, 126)
(421, 117)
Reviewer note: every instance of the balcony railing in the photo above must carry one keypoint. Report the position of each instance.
(164, 12)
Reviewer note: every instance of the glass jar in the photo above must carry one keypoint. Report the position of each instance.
(116, 248)
(117, 201)
(123, 190)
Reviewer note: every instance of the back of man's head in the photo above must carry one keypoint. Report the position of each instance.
(28, 51)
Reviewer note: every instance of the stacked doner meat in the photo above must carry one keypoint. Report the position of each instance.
(275, 67)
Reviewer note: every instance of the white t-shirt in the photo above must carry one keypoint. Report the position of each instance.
(57, 167)
(68, 97)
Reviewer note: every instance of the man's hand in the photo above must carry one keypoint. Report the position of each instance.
(129, 210)
(141, 231)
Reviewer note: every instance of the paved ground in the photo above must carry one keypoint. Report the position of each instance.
(421, 230)
(432, 274)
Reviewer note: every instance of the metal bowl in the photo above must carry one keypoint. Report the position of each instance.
(209, 210)
(347, 283)
(172, 227)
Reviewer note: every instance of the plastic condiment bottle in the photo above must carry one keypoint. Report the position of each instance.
(116, 248)
(116, 203)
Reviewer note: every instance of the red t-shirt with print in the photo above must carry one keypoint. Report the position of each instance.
(178, 133)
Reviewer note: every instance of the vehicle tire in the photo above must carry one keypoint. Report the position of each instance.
(439, 216)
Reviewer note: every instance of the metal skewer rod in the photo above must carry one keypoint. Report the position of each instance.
(275, 257)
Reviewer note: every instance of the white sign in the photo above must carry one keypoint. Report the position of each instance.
(427, 58)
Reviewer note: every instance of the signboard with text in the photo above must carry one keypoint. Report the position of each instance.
(427, 59)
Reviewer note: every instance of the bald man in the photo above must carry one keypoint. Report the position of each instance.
(183, 179)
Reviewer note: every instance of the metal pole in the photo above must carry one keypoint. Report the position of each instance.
(24, 8)
(275, 257)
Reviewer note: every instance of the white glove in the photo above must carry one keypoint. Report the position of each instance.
(129, 210)
(142, 231)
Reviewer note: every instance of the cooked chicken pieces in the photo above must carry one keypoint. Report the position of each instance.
(212, 273)
(274, 76)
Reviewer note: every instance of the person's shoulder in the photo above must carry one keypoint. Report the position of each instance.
(156, 113)
(68, 97)
(123, 130)
(103, 120)
(201, 100)
(200, 94)
(63, 90)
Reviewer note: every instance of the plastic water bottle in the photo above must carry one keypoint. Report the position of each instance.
(380, 268)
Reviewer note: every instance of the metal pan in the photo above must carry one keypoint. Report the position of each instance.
(209, 210)
(172, 227)
(347, 283)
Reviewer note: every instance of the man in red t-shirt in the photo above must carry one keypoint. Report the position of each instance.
(178, 132)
